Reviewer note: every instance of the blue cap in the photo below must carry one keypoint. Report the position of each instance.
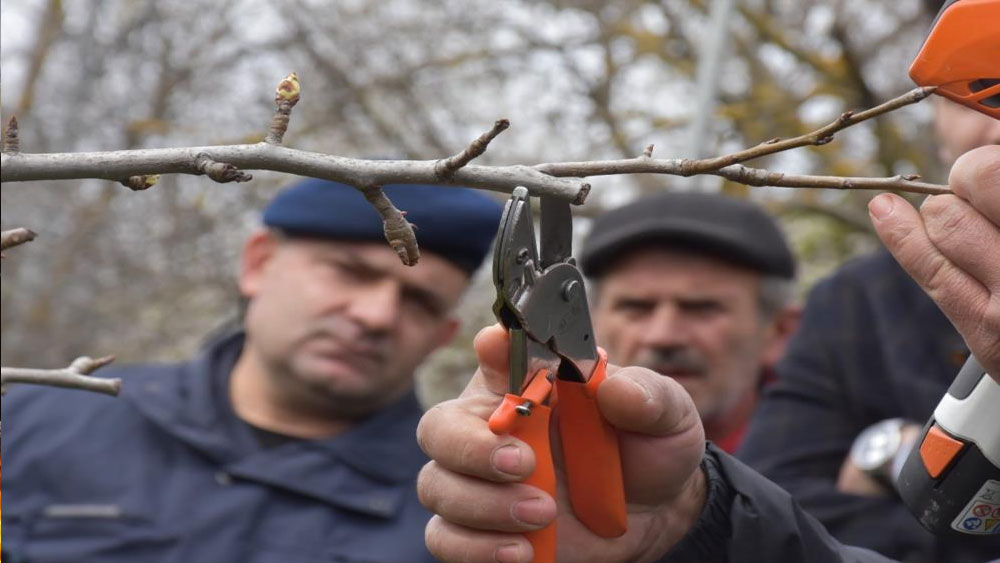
(458, 224)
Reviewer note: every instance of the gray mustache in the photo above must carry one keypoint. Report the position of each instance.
(673, 360)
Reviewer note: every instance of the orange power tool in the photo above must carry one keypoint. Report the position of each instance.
(961, 55)
(951, 478)
(554, 365)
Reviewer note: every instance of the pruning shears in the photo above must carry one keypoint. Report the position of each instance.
(555, 366)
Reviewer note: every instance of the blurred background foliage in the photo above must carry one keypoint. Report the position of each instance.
(147, 275)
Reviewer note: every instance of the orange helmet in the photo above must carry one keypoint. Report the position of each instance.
(961, 55)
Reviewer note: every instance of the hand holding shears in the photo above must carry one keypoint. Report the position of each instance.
(555, 365)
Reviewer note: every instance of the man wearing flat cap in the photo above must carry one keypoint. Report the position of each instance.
(291, 440)
(697, 287)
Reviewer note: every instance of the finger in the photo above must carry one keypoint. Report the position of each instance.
(965, 300)
(961, 233)
(643, 401)
(450, 542)
(976, 178)
(474, 503)
(663, 440)
(492, 346)
(456, 435)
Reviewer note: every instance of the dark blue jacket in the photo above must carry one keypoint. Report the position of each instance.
(872, 345)
(168, 473)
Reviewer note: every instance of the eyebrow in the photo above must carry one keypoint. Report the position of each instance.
(436, 303)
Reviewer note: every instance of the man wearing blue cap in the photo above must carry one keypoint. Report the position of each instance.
(291, 440)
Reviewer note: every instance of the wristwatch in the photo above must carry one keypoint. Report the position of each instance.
(880, 449)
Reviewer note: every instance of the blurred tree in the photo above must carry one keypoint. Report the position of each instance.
(147, 275)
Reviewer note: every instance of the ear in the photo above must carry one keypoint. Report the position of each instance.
(257, 252)
(783, 326)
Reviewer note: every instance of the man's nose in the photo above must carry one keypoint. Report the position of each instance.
(666, 327)
(376, 305)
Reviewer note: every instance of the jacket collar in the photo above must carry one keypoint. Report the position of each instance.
(370, 468)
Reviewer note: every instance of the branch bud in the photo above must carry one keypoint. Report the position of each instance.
(11, 140)
(288, 90)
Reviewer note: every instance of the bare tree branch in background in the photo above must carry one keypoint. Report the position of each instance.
(76, 376)
(597, 83)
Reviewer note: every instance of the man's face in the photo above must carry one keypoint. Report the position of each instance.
(693, 318)
(342, 325)
(960, 129)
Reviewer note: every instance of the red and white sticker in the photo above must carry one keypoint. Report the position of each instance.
(982, 514)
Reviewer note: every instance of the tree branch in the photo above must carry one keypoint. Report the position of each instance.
(76, 376)
(114, 165)
(818, 137)
(737, 173)
(141, 168)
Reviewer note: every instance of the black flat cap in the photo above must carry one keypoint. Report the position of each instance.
(729, 229)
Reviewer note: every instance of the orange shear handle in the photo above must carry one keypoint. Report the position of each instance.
(533, 429)
(593, 463)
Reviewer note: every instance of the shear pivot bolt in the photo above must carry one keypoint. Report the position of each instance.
(524, 409)
(571, 290)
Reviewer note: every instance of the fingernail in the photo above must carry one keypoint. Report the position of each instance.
(881, 206)
(509, 553)
(533, 512)
(507, 459)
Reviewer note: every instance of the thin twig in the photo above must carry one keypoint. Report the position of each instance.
(818, 137)
(14, 237)
(76, 376)
(447, 167)
(398, 231)
(761, 177)
(285, 98)
(737, 173)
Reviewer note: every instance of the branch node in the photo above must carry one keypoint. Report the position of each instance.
(221, 172)
(581, 196)
(11, 139)
(398, 231)
(285, 98)
(648, 153)
(446, 168)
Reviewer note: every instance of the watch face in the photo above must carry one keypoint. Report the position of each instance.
(877, 445)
